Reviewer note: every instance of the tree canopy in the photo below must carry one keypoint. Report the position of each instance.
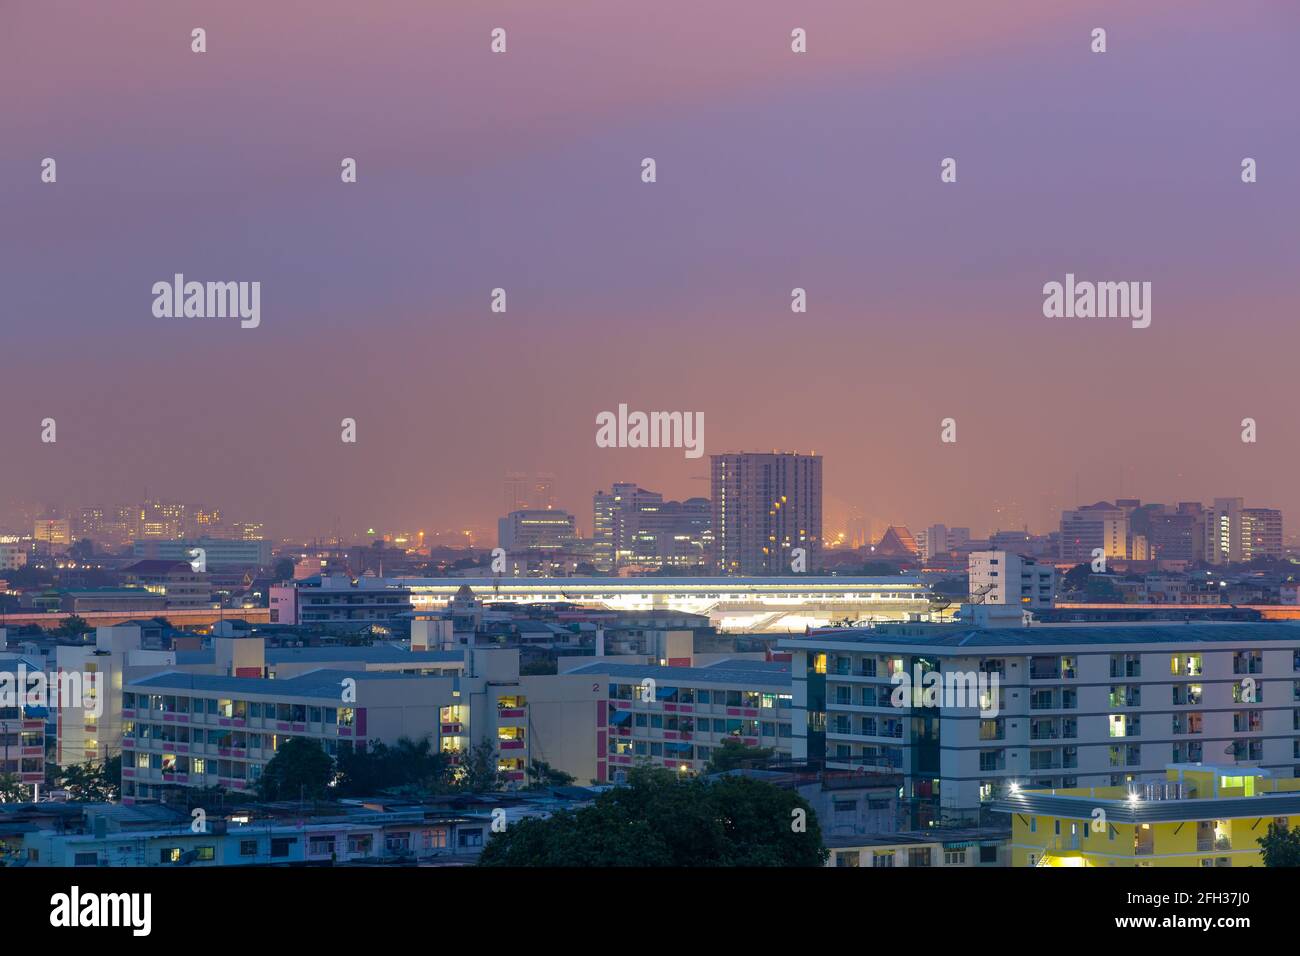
(663, 819)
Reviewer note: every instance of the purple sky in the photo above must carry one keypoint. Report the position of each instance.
(522, 171)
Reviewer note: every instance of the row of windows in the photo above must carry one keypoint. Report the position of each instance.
(240, 709)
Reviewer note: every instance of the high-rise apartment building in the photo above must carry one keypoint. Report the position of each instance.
(765, 505)
(1261, 533)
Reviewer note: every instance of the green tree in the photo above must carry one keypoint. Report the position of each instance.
(73, 626)
(1280, 846)
(733, 755)
(478, 769)
(283, 570)
(542, 774)
(1076, 579)
(12, 789)
(409, 767)
(300, 769)
(91, 782)
(664, 819)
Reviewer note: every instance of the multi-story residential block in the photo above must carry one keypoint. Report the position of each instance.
(22, 725)
(676, 717)
(1199, 814)
(1046, 705)
(94, 733)
(219, 716)
(1004, 577)
(764, 507)
(339, 599)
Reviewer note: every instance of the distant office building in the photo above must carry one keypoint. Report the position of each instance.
(1084, 530)
(177, 581)
(160, 519)
(55, 532)
(532, 529)
(1004, 577)
(1176, 536)
(939, 540)
(634, 526)
(218, 552)
(525, 492)
(764, 507)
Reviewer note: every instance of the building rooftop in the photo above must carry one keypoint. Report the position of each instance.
(775, 674)
(1047, 636)
(1119, 810)
(323, 684)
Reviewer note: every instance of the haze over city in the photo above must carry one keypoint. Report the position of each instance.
(819, 172)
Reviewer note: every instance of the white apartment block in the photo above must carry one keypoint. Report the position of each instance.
(218, 717)
(1004, 577)
(676, 717)
(1076, 705)
(116, 657)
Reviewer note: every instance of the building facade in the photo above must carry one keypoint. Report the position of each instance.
(765, 506)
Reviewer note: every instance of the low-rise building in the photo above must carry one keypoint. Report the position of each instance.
(1200, 815)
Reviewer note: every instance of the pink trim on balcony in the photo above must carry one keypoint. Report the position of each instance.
(749, 712)
(510, 712)
(733, 711)
(283, 726)
(127, 743)
(670, 735)
(511, 744)
(128, 772)
(686, 708)
(670, 707)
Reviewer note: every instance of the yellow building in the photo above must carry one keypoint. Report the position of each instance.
(1202, 815)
